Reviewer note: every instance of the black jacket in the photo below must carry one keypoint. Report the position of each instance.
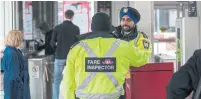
(186, 79)
(64, 35)
(48, 49)
(132, 35)
(91, 35)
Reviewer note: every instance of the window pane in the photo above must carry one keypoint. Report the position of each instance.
(60, 12)
(165, 18)
(164, 42)
(1, 40)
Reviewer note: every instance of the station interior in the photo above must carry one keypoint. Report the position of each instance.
(173, 27)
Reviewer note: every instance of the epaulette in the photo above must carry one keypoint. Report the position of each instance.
(144, 35)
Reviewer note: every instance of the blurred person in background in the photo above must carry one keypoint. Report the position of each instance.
(47, 32)
(63, 37)
(15, 67)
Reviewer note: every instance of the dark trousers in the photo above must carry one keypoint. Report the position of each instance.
(123, 96)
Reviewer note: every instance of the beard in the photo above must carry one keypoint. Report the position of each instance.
(127, 28)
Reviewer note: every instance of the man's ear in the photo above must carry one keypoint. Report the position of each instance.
(72, 18)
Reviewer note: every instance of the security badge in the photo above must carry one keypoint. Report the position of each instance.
(146, 44)
(125, 10)
(94, 64)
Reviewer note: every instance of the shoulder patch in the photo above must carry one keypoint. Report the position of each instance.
(146, 44)
(74, 45)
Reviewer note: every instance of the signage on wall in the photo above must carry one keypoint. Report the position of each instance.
(192, 9)
(27, 20)
(35, 72)
(81, 14)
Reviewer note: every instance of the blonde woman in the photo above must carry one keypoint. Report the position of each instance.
(15, 67)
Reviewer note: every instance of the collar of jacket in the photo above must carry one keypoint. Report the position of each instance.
(132, 34)
(67, 21)
(14, 48)
(91, 35)
(8, 46)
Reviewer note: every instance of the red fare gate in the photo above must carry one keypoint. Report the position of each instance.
(149, 81)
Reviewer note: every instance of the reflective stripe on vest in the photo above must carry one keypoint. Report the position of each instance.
(79, 92)
(136, 39)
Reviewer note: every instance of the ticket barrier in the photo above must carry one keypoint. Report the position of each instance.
(149, 81)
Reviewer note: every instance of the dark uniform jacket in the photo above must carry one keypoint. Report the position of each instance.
(186, 79)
